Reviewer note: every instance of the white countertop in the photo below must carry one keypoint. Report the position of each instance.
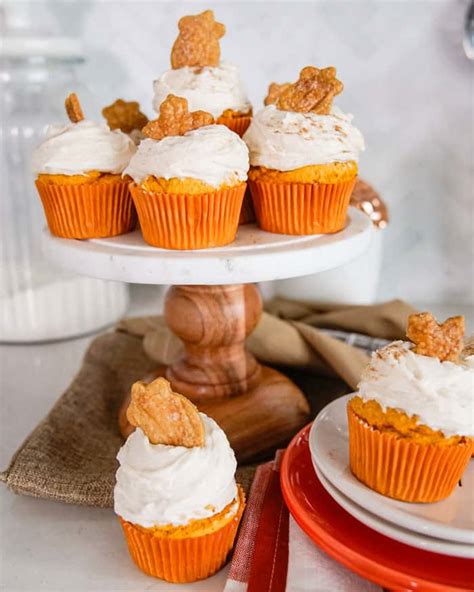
(49, 546)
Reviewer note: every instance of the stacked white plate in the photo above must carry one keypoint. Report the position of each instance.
(445, 527)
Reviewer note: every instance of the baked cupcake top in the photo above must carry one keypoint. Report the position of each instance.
(426, 377)
(189, 145)
(177, 465)
(197, 73)
(300, 127)
(82, 146)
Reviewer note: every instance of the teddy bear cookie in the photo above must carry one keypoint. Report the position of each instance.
(127, 117)
(198, 75)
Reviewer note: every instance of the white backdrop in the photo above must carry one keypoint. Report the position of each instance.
(407, 81)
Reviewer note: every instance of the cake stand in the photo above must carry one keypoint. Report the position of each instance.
(212, 306)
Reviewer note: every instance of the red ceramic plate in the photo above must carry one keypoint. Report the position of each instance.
(364, 551)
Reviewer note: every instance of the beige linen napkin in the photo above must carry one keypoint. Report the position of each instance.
(70, 456)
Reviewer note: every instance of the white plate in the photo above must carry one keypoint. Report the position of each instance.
(451, 519)
(392, 531)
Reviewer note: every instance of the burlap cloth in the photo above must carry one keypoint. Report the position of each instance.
(70, 456)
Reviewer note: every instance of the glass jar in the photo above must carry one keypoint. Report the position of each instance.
(38, 301)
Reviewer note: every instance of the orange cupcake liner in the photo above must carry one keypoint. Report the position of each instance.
(182, 560)
(189, 221)
(301, 208)
(403, 469)
(94, 210)
(239, 125)
(247, 213)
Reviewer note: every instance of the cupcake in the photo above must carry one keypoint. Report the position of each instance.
(127, 117)
(79, 170)
(175, 493)
(411, 424)
(198, 75)
(303, 156)
(189, 179)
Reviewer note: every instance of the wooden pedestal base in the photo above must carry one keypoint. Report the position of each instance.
(257, 407)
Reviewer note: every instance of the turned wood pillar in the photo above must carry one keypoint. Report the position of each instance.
(213, 323)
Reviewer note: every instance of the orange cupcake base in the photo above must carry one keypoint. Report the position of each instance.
(239, 125)
(189, 221)
(89, 210)
(403, 469)
(182, 560)
(301, 208)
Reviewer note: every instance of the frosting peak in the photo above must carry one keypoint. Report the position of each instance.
(286, 140)
(441, 394)
(159, 485)
(76, 148)
(212, 154)
(211, 88)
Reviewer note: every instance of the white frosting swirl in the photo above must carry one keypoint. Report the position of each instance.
(211, 89)
(285, 140)
(159, 485)
(213, 154)
(76, 148)
(441, 394)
